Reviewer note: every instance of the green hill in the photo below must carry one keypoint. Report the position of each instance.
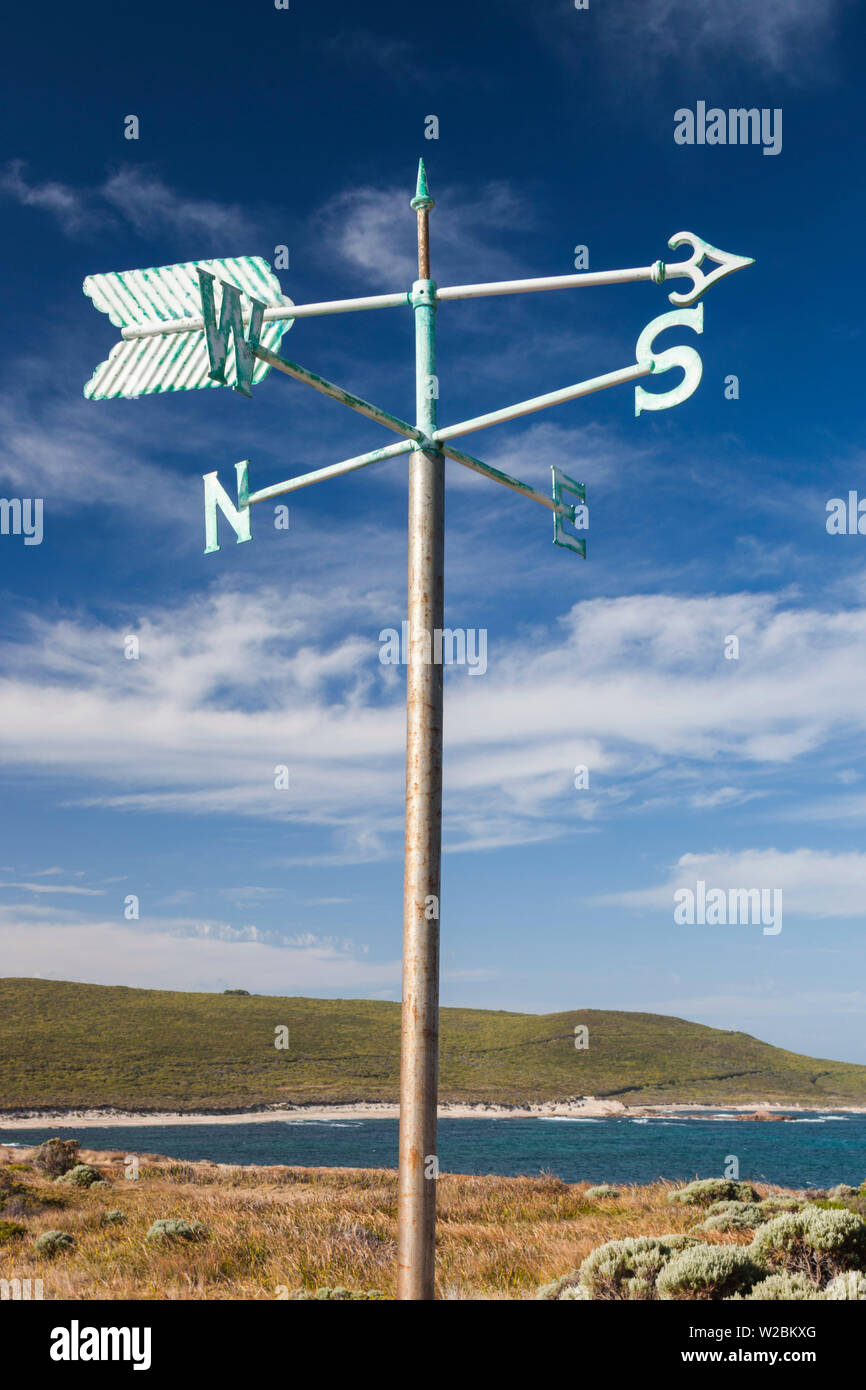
(66, 1045)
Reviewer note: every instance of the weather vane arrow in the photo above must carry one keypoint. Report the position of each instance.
(220, 323)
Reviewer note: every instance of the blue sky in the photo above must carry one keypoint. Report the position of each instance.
(155, 777)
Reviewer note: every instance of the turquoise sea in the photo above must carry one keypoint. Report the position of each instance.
(817, 1149)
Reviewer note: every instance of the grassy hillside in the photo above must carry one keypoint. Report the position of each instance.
(75, 1045)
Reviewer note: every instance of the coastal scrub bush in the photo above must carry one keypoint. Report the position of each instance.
(851, 1284)
(19, 1199)
(52, 1242)
(777, 1202)
(708, 1272)
(176, 1228)
(82, 1175)
(628, 1268)
(595, 1194)
(708, 1190)
(782, 1287)
(113, 1217)
(815, 1242)
(733, 1216)
(340, 1295)
(11, 1230)
(56, 1156)
(842, 1191)
(557, 1288)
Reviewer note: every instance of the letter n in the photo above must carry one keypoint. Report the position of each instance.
(231, 323)
(238, 516)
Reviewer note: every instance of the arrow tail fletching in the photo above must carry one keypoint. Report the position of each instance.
(176, 361)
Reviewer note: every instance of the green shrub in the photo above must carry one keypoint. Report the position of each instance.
(785, 1287)
(815, 1242)
(341, 1295)
(595, 1194)
(627, 1269)
(82, 1175)
(11, 1230)
(20, 1199)
(841, 1191)
(52, 1242)
(557, 1288)
(777, 1202)
(708, 1272)
(706, 1191)
(56, 1156)
(113, 1217)
(851, 1284)
(733, 1216)
(176, 1228)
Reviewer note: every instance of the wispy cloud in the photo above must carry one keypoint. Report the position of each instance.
(814, 883)
(367, 228)
(781, 37)
(69, 207)
(202, 956)
(387, 53)
(57, 449)
(56, 888)
(152, 209)
(788, 39)
(136, 197)
(226, 690)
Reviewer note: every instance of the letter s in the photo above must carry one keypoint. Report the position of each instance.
(683, 356)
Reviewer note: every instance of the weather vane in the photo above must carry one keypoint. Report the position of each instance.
(177, 324)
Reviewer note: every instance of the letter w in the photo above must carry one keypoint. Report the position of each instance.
(231, 323)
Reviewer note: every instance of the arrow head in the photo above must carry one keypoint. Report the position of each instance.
(727, 263)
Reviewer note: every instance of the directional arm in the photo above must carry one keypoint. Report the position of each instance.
(658, 272)
(569, 393)
(337, 393)
(333, 470)
(563, 509)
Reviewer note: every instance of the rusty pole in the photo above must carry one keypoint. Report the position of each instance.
(419, 1054)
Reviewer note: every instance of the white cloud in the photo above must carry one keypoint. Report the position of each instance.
(60, 451)
(158, 957)
(588, 453)
(154, 209)
(789, 39)
(814, 883)
(777, 36)
(140, 198)
(371, 230)
(56, 888)
(230, 685)
(399, 59)
(67, 205)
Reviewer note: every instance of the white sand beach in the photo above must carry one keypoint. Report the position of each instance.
(585, 1107)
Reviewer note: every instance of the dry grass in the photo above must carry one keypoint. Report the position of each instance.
(277, 1229)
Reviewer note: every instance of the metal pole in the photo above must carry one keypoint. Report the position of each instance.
(419, 1054)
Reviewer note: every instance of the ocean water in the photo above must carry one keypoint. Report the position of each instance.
(817, 1149)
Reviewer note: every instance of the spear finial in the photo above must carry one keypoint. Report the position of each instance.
(422, 201)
